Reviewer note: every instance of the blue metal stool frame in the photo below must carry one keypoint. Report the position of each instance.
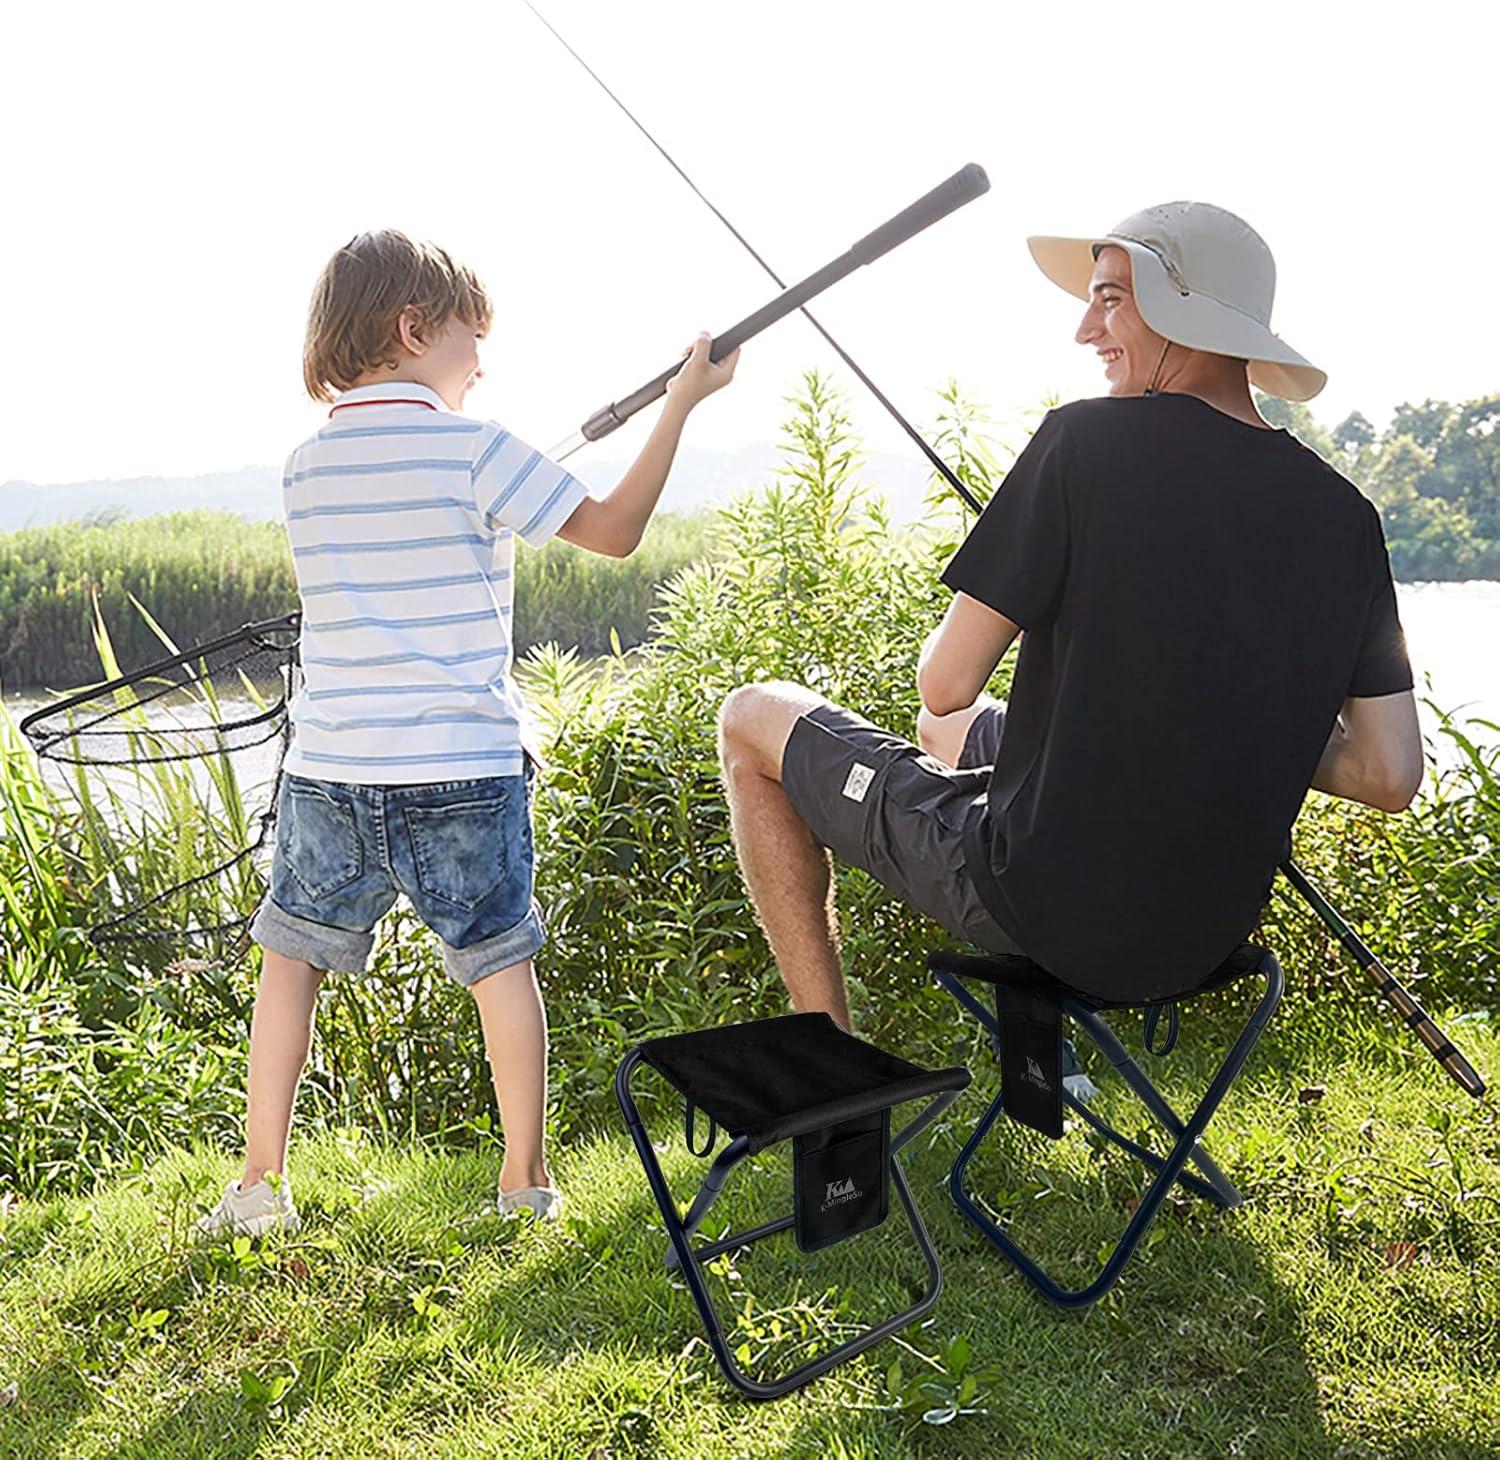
(1211, 1183)
(688, 1258)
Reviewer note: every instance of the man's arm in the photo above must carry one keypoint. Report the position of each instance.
(960, 655)
(1374, 754)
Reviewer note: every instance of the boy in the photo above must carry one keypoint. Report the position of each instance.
(407, 772)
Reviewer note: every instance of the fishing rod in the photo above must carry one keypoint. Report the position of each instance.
(1442, 1048)
(1393, 990)
(947, 197)
(934, 460)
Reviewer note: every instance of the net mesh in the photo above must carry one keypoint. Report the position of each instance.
(175, 768)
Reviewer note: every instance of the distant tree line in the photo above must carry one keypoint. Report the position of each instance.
(1434, 472)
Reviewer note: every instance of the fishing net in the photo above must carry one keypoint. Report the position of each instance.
(175, 769)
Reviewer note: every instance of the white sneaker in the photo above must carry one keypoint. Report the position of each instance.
(250, 1213)
(543, 1202)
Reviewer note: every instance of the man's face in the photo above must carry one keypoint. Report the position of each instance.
(1128, 347)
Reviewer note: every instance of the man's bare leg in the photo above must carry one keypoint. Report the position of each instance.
(943, 736)
(787, 873)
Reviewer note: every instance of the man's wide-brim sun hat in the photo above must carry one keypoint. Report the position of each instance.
(1203, 278)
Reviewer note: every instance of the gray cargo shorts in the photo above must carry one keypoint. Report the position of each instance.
(879, 802)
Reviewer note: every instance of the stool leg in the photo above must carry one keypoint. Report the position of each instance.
(676, 1235)
(712, 1188)
(689, 1261)
(1221, 1188)
(874, 1334)
(1217, 1188)
(1169, 1168)
(1218, 1195)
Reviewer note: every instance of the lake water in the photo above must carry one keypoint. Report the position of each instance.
(1452, 635)
(1453, 638)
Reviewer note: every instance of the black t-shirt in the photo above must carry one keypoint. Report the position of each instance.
(1199, 596)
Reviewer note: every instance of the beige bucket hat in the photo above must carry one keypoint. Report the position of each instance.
(1203, 278)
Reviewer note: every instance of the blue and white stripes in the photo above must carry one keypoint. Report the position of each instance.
(402, 518)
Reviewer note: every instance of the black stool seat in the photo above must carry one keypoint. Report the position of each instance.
(775, 1078)
(1011, 970)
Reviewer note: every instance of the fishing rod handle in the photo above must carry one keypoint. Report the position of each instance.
(963, 187)
(1413, 1014)
(947, 197)
(1447, 1054)
(613, 416)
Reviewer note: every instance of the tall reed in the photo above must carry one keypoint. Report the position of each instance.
(206, 573)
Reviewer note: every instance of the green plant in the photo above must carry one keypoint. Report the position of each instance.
(943, 1387)
(108, 1055)
(207, 573)
(266, 1394)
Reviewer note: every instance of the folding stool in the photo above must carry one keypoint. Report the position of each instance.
(800, 1078)
(1027, 1029)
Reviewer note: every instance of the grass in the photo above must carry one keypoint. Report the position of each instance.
(1350, 1308)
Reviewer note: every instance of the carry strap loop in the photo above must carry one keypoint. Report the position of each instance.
(1153, 1018)
(689, 1126)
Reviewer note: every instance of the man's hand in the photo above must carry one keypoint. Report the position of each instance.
(700, 377)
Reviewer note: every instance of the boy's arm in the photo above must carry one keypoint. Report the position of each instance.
(614, 525)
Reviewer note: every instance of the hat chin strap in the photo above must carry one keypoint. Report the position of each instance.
(1160, 361)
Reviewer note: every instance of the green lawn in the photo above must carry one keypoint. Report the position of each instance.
(1350, 1308)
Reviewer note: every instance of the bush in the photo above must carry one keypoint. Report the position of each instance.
(650, 929)
(103, 1056)
(202, 573)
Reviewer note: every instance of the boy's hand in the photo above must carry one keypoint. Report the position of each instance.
(700, 377)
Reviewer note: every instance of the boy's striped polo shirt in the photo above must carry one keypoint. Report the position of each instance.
(402, 518)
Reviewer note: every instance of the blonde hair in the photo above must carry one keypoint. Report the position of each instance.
(352, 322)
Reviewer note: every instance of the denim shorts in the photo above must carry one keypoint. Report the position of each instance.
(461, 851)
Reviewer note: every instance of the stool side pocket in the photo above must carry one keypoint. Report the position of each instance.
(841, 1180)
(1031, 1058)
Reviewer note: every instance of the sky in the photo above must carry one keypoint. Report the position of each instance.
(176, 176)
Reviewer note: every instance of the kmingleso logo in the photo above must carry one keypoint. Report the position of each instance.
(1035, 1075)
(839, 1192)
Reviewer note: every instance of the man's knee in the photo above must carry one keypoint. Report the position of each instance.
(755, 721)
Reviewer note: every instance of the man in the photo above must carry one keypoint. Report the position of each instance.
(1209, 628)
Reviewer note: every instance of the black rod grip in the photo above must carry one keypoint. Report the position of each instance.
(963, 187)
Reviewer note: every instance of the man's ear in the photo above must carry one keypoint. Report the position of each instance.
(409, 330)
